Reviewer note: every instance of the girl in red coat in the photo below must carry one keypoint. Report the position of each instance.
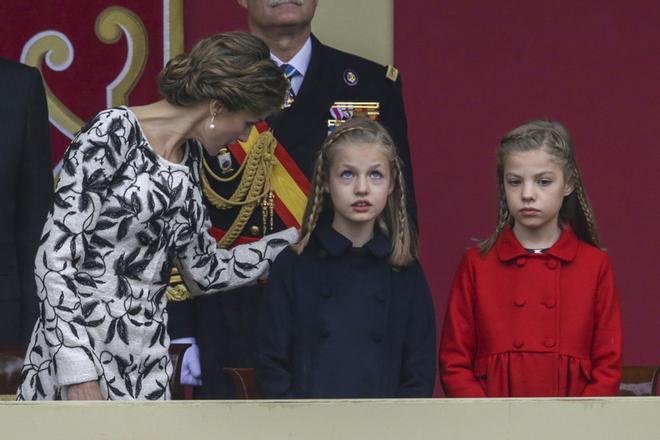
(534, 310)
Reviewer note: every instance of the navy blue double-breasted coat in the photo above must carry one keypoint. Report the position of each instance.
(341, 322)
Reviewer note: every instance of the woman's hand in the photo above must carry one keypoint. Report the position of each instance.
(85, 391)
(292, 235)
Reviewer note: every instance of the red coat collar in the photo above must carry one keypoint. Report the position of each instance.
(508, 247)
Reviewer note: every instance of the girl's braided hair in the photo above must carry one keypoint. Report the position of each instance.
(554, 139)
(394, 222)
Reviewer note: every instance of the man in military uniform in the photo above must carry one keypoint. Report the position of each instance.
(326, 85)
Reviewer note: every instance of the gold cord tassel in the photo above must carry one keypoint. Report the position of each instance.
(254, 188)
(177, 291)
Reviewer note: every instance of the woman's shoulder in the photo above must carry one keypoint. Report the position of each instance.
(116, 126)
(104, 141)
(110, 117)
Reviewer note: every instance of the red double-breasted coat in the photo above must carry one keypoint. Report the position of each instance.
(532, 325)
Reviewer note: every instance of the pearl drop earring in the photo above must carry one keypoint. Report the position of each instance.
(212, 125)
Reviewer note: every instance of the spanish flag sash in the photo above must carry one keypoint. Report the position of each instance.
(290, 185)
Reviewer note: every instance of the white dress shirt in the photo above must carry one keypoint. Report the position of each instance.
(300, 61)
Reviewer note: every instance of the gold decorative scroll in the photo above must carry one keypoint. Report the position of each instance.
(59, 51)
(110, 25)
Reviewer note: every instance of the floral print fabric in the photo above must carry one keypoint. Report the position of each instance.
(122, 217)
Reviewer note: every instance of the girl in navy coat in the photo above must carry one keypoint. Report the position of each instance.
(347, 312)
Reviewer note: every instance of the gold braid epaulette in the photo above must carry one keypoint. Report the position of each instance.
(254, 188)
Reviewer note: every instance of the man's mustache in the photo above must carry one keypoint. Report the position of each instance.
(273, 3)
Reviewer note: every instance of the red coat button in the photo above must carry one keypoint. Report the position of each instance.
(549, 342)
(520, 302)
(518, 343)
(552, 264)
(550, 303)
(520, 261)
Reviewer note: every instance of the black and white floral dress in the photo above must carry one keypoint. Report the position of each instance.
(122, 217)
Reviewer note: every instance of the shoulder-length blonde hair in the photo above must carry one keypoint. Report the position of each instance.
(394, 222)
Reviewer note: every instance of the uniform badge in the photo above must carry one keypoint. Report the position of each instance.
(342, 111)
(350, 77)
(392, 73)
(224, 161)
(289, 99)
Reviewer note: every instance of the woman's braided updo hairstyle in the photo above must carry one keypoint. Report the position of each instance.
(552, 137)
(394, 221)
(234, 67)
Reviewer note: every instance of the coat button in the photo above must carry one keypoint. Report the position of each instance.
(326, 293)
(550, 303)
(377, 337)
(323, 253)
(324, 332)
(549, 342)
(520, 261)
(520, 301)
(518, 343)
(552, 264)
(255, 231)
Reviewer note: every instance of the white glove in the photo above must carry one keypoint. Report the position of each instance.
(191, 369)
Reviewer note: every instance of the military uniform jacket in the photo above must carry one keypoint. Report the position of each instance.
(302, 128)
(533, 325)
(341, 322)
(122, 216)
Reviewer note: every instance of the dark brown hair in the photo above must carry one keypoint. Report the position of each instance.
(234, 67)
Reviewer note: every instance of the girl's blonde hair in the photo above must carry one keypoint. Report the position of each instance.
(552, 137)
(234, 67)
(394, 222)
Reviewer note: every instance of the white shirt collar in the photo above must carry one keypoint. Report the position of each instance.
(300, 60)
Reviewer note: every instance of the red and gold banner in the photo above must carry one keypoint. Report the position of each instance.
(93, 54)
